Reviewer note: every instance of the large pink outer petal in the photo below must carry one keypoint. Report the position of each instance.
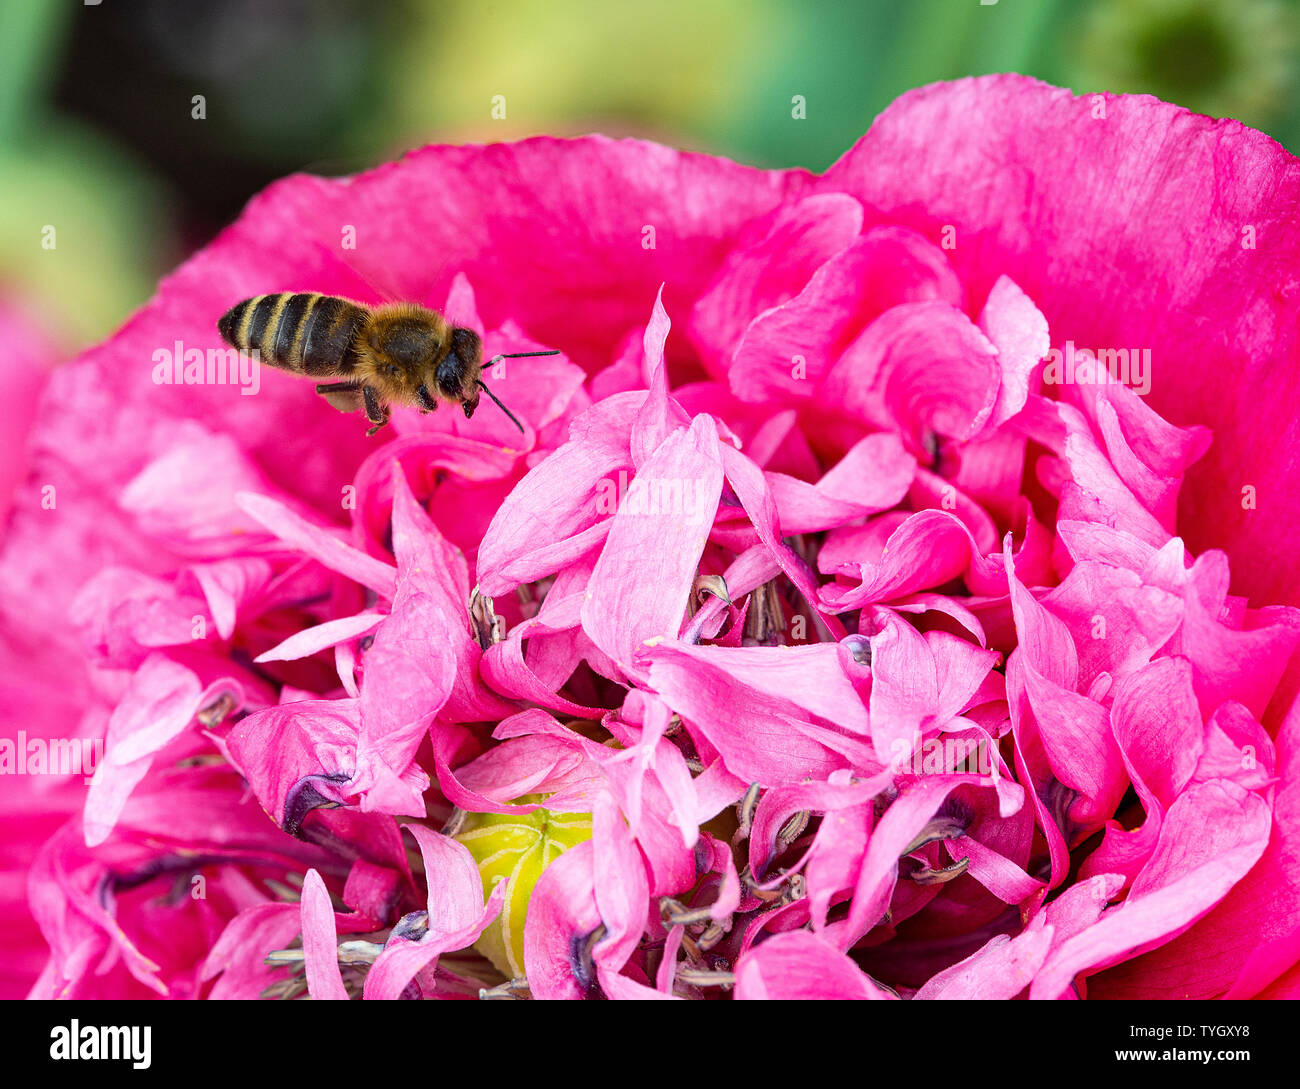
(1040, 189)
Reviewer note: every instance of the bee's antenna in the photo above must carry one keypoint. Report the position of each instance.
(483, 387)
(518, 355)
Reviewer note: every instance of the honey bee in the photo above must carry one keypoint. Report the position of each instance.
(398, 353)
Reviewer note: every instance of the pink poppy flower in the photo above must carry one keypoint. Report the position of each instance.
(836, 627)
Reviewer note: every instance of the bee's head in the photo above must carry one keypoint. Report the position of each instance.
(458, 371)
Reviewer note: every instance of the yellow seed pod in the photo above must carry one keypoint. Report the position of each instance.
(516, 848)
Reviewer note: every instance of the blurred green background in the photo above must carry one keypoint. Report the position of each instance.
(99, 133)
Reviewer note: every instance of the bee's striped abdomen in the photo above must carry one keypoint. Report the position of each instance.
(329, 336)
(304, 333)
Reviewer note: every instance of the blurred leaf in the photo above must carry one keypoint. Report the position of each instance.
(29, 36)
(108, 221)
(851, 59)
(568, 66)
(1226, 60)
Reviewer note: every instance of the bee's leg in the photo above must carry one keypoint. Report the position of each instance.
(426, 399)
(345, 396)
(376, 413)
